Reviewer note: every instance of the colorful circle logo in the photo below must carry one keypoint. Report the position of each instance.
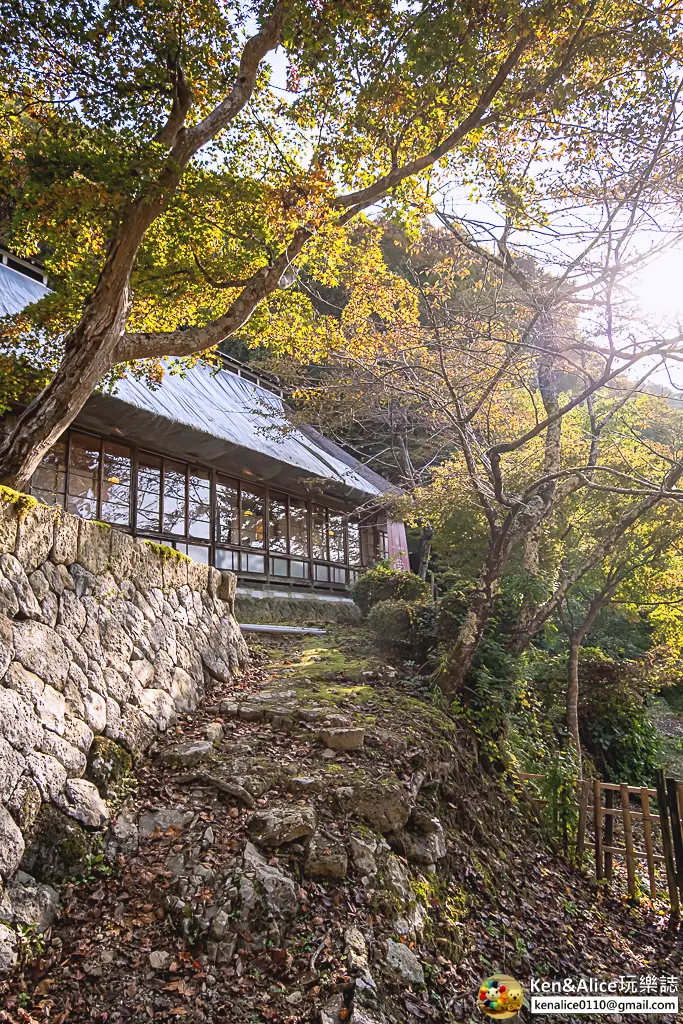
(500, 996)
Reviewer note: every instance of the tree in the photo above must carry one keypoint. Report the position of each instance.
(174, 189)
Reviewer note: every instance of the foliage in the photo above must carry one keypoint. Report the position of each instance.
(382, 583)
(403, 628)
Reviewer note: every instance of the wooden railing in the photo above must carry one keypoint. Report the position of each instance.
(662, 831)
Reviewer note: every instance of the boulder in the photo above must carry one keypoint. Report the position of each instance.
(41, 649)
(19, 724)
(277, 825)
(184, 690)
(11, 844)
(136, 731)
(84, 803)
(9, 952)
(325, 857)
(268, 899)
(383, 803)
(343, 739)
(403, 964)
(34, 904)
(159, 707)
(188, 754)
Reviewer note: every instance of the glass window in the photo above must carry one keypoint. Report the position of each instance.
(321, 572)
(338, 575)
(319, 532)
(277, 522)
(174, 498)
(198, 553)
(149, 493)
(252, 519)
(227, 559)
(116, 480)
(200, 503)
(336, 535)
(49, 480)
(84, 473)
(382, 543)
(299, 570)
(253, 563)
(226, 512)
(298, 527)
(354, 543)
(279, 566)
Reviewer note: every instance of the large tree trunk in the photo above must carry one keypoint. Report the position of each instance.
(573, 696)
(87, 357)
(425, 550)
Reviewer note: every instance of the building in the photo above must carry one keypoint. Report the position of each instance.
(210, 463)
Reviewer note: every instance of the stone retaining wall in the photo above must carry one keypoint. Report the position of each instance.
(99, 633)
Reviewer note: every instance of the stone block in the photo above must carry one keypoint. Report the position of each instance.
(11, 844)
(94, 545)
(73, 759)
(49, 773)
(125, 557)
(14, 573)
(19, 724)
(35, 536)
(174, 571)
(50, 705)
(183, 691)
(25, 802)
(159, 706)
(65, 544)
(95, 711)
(150, 574)
(227, 590)
(197, 576)
(8, 522)
(137, 730)
(71, 613)
(84, 803)
(12, 767)
(41, 650)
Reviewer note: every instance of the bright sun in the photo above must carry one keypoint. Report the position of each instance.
(658, 290)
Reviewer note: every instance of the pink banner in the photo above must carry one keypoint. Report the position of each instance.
(398, 546)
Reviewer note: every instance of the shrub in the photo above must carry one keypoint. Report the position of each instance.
(404, 629)
(382, 583)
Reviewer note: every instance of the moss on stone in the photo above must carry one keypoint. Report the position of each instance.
(109, 765)
(165, 552)
(23, 503)
(57, 848)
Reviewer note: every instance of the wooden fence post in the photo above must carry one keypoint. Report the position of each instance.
(583, 812)
(667, 844)
(677, 834)
(628, 838)
(609, 833)
(649, 850)
(597, 813)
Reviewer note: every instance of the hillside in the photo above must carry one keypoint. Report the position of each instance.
(254, 873)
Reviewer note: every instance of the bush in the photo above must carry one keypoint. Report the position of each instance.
(404, 629)
(382, 583)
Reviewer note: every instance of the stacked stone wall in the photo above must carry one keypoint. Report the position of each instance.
(99, 634)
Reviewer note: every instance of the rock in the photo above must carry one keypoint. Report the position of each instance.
(383, 803)
(71, 613)
(11, 844)
(304, 784)
(295, 998)
(403, 963)
(163, 819)
(122, 837)
(330, 1013)
(12, 767)
(159, 959)
(423, 849)
(13, 571)
(78, 734)
(33, 903)
(356, 950)
(396, 877)
(50, 707)
(6, 640)
(57, 848)
(362, 855)
(35, 534)
(158, 706)
(183, 690)
(85, 804)
(25, 802)
(41, 649)
(65, 546)
(137, 731)
(49, 773)
(9, 953)
(95, 710)
(343, 739)
(39, 585)
(214, 732)
(18, 722)
(108, 765)
(268, 899)
(188, 754)
(94, 545)
(278, 825)
(73, 759)
(325, 857)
